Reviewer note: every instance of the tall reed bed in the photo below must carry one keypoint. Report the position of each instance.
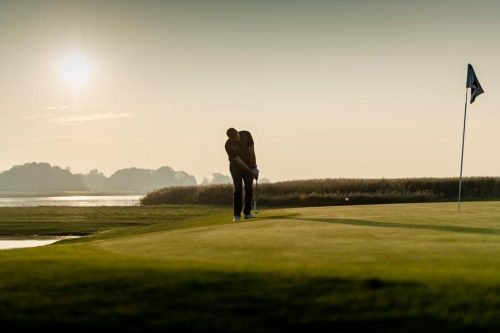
(326, 192)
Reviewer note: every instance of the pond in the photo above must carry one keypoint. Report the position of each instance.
(7, 244)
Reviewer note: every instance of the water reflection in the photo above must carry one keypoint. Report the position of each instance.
(74, 201)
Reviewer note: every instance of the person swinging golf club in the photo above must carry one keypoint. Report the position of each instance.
(243, 166)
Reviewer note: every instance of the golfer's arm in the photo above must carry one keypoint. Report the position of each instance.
(238, 160)
(253, 160)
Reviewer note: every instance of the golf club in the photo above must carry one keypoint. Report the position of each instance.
(255, 210)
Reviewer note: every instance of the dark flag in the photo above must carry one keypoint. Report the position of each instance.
(473, 84)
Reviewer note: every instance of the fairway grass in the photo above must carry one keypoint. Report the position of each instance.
(406, 267)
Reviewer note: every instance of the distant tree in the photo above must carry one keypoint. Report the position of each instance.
(94, 180)
(144, 180)
(219, 178)
(40, 177)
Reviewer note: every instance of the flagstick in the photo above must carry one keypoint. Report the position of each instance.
(462, 159)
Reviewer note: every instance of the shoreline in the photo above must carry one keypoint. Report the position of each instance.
(66, 194)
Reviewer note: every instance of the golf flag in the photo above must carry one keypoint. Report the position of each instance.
(473, 84)
(475, 90)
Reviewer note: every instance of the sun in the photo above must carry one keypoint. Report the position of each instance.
(74, 69)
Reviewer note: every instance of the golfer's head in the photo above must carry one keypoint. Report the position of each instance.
(233, 134)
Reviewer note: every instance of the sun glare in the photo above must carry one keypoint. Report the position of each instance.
(75, 69)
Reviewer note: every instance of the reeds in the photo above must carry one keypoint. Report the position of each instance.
(326, 192)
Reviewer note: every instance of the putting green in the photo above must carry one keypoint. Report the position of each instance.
(396, 242)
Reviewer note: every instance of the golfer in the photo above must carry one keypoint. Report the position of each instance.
(243, 166)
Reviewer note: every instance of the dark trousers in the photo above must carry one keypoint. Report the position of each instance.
(239, 175)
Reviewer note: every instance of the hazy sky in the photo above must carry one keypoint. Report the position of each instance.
(327, 88)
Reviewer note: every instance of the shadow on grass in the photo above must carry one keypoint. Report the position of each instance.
(127, 300)
(279, 216)
(432, 227)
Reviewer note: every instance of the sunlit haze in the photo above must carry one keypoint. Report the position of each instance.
(327, 88)
(74, 69)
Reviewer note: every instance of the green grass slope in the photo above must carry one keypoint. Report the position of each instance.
(175, 268)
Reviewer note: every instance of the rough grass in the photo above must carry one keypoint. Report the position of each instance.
(333, 192)
(379, 268)
(91, 220)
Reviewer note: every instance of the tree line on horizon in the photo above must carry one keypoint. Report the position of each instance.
(43, 177)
